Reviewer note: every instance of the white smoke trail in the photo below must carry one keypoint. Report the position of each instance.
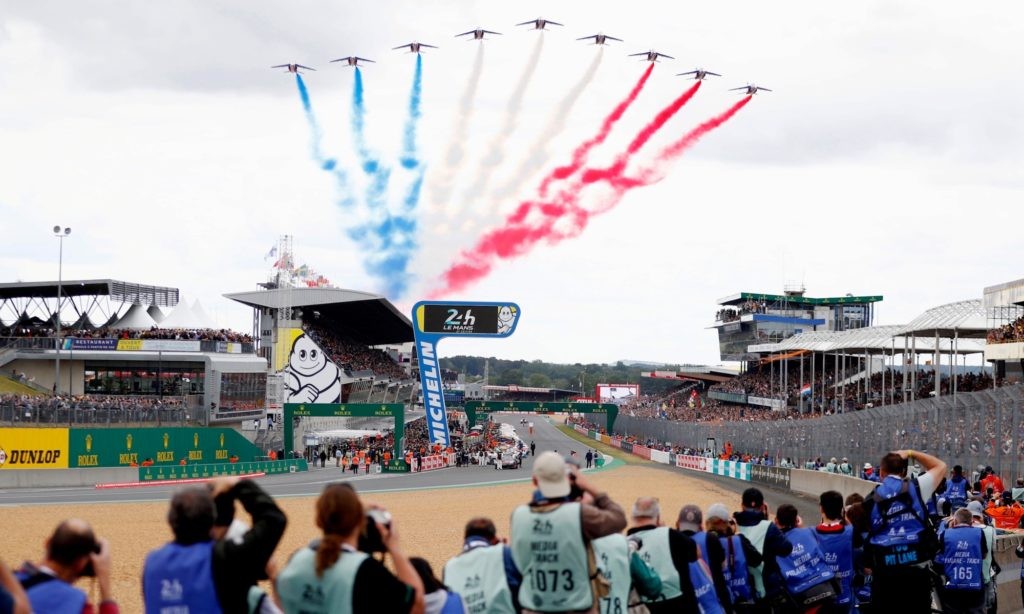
(496, 149)
(538, 155)
(441, 188)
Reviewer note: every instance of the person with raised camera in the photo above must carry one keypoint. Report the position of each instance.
(551, 539)
(72, 552)
(337, 573)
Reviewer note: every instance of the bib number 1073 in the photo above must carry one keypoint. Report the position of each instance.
(551, 580)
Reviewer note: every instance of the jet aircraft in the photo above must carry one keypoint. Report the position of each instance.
(478, 34)
(414, 47)
(539, 23)
(652, 55)
(353, 60)
(293, 68)
(750, 89)
(600, 39)
(699, 74)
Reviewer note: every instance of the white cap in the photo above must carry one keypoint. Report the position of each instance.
(550, 472)
(718, 510)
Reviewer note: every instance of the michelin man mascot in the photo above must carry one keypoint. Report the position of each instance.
(310, 376)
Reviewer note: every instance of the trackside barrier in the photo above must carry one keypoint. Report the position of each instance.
(110, 485)
(660, 457)
(436, 461)
(158, 473)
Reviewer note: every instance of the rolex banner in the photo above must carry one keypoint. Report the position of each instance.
(118, 447)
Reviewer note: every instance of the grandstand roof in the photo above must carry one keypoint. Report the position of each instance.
(742, 297)
(124, 291)
(873, 340)
(1009, 293)
(708, 374)
(965, 319)
(367, 318)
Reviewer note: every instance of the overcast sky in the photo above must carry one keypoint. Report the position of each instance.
(887, 160)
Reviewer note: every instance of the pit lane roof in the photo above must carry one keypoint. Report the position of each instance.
(124, 291)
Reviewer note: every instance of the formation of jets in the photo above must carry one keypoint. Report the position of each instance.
(537, 24)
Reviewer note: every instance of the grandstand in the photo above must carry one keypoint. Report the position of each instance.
(747, 318)
(121, 357)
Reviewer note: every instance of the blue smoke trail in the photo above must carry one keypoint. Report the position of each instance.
(409, 157)
(316, 135)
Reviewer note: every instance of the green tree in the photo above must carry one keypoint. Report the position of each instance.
(539, 380)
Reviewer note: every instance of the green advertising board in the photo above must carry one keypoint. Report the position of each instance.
(472, 408)
(213, 470)
(120, 447)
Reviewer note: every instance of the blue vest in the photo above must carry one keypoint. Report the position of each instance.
(453, 605)
(838, 551)
(180, 578)
(899, 536)
(956, 492)
(805, 566)
(701, 539)
(704, 590)
(49, 594)
(961, 558)
(736, 572)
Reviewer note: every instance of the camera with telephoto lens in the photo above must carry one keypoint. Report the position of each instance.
(371, 540)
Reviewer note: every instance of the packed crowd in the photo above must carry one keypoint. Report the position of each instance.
(354, 357)
(1008, 333)
(915, 540)
(729, 314)
(90, 409)
(187, 334)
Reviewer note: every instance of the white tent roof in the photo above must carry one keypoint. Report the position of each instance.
(180, 317)
(155, 313)
(203, 319)
(137, 318)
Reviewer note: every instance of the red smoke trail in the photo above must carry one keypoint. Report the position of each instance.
(516, 239)
(579, 155)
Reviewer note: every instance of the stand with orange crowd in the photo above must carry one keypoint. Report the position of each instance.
(912, 542)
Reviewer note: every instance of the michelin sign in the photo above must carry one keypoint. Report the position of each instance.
(433, 321)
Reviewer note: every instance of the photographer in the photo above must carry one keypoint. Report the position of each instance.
(335, 574)
(72, 552)
(202, 569)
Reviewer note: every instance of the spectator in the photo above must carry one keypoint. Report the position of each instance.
(669, 553)
(752, 522)
(13, 599)
(987, 563)
(201, 565)
(956, 488)
(556, 523)
(690, 524)
(835, 538)
(740, 556)
(808, 580)
(241, 555)
(963, 548)
(901, 543)
(438, 598)
(484, 574)
(72, 552)
(330, 575)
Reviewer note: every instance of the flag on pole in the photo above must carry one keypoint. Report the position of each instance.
(806, 390)
(271, 253)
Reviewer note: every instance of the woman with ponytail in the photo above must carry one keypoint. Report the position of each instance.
(332, 576)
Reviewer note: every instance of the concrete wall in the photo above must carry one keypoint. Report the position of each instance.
(50, 478)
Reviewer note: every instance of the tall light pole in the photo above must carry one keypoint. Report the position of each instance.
(60, 233)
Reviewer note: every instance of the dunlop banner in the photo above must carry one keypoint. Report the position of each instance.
(162, 446)
(39, 448)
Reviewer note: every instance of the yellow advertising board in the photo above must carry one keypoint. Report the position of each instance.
(40, 448)
(283, 348)
(129, 345)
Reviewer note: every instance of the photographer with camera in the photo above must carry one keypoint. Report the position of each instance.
(552, 535)
(72, 552)
(337, 574)
(201, 571)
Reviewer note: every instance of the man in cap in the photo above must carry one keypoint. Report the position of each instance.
(832, 466)
(690, 523)
(669, 553)
(845, 468)
(551, 535)
(869, 473)
(753, 523)
(484, 573)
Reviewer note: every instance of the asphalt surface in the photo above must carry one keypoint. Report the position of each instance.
(546, 436)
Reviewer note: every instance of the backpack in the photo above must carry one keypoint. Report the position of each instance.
(927, 544)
